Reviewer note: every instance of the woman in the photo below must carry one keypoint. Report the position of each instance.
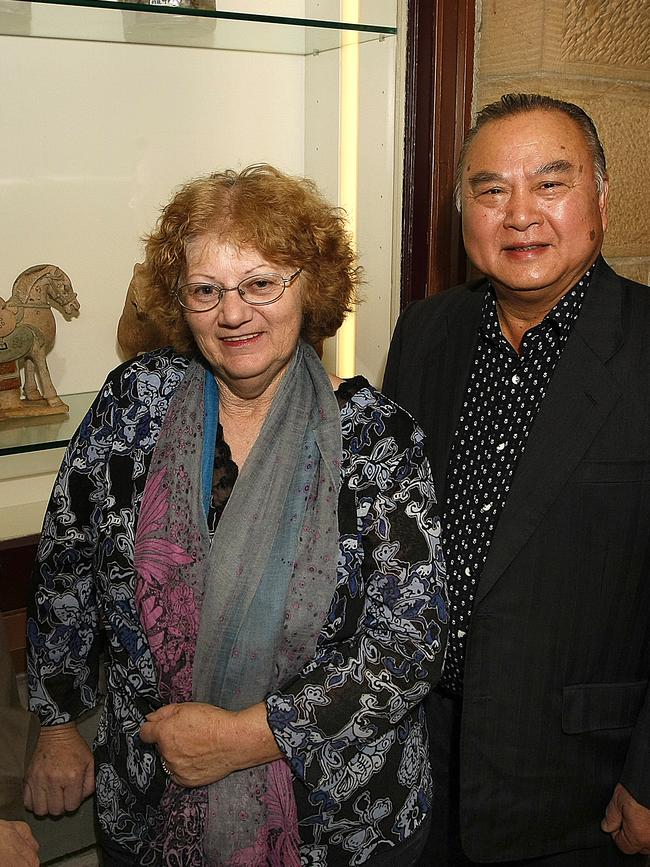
(256, 541)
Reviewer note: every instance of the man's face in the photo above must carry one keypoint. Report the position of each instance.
(533, 220)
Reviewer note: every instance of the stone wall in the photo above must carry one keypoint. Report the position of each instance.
(595, 53)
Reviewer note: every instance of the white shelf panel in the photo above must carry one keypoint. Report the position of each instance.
(109, 21)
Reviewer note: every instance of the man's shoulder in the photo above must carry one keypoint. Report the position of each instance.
(616, 299)
(446, 303)
(606, 274)
(636, 290)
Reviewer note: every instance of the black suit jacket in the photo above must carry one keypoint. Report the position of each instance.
(555, 705)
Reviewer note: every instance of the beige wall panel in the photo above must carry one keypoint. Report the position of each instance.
(607, 36)
(490, 89)
(623, 119)
(510, 41)
(574, 37)
(634, 269)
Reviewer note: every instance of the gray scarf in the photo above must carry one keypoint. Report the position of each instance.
(266, 579)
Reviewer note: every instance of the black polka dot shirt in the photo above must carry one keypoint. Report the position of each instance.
(503, 395)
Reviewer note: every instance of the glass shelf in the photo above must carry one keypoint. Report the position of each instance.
(111, 21)
(44, 432)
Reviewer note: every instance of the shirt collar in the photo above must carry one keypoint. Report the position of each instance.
(561, 317)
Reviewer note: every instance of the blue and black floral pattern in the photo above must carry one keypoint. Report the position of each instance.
(351, 725)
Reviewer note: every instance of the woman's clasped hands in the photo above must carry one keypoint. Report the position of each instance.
(201, 744)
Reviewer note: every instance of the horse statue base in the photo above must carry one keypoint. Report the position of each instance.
(11, 403)
(27, 330)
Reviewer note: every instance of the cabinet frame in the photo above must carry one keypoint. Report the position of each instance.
(439, 77)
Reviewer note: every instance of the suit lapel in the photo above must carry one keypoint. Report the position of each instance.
(448, 364)
(579, 398)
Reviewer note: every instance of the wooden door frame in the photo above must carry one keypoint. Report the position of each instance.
(439, 72)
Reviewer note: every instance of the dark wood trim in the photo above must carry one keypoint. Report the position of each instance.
(439, 70)
(21, 542)
(16, 563)
(16, 634)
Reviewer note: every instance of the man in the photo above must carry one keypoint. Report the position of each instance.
(533, 386)
(19, 731)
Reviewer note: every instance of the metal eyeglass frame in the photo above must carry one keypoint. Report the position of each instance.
(286, 281)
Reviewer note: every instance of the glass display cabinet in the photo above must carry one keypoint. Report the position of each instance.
(107, 107)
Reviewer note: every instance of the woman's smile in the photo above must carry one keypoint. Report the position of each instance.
(242, 340)
(248, 347)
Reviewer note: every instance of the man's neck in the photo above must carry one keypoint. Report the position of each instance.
(518, 313)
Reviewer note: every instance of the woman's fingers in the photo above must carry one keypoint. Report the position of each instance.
(89, 781)
(18, 847)
(61, 771)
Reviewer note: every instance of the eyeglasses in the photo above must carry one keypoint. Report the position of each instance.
(258, 290)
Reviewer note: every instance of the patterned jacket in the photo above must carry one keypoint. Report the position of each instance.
(351, 724)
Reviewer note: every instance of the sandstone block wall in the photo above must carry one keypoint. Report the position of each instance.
(595, 53)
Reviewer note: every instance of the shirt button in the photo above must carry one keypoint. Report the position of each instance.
(516, 379)
(461, 633)
(486, 507)
(468, 571)
(501, 447)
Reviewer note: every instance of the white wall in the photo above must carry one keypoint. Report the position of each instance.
(375, 210)
(376, 170)
(94, 138)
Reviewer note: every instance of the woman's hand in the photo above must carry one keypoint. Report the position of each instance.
(201, 743)
(18, 848)
(61, 773)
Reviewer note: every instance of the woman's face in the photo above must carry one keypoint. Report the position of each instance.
(247, 347)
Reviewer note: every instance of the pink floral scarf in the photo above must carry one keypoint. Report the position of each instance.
(229, 619)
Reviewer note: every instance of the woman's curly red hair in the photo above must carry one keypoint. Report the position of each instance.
(282, 217)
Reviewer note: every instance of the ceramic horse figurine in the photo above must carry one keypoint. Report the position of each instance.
(27, 330)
